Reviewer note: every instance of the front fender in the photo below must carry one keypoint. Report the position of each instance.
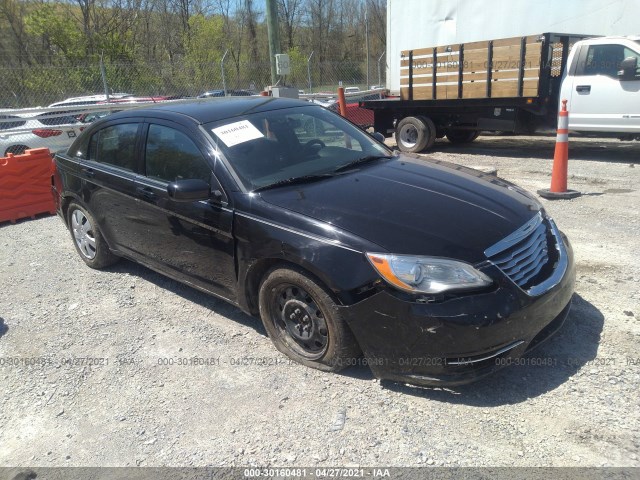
(342, 270)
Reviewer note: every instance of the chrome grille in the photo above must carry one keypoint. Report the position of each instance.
(527, 254)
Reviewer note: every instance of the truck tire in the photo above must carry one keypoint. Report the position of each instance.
(462, 136)
(415, 134)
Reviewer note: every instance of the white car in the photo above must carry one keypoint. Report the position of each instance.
(351, 90)
(53, 130)
(325, 102)
(89, 99)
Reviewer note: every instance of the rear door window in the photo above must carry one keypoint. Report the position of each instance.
(115, 145)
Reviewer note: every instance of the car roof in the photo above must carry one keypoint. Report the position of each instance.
(212, 109)
(88, 99)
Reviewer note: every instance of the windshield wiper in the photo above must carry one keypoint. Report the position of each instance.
(360, 161)
(294, 181)
(320, 176)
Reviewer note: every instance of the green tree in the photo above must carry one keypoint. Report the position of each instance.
(60, 38)
(205, 50)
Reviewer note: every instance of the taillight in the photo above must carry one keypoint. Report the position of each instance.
(46, 132)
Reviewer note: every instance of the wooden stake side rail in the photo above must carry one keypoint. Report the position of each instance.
(510, 67)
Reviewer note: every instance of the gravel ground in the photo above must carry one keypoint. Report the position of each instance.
(250, 406)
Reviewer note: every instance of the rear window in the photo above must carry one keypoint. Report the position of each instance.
(56, 118)
(4, 125)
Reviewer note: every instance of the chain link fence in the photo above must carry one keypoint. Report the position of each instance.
(42, 85)
(48, 105)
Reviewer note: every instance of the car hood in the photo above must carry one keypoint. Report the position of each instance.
(415, 206)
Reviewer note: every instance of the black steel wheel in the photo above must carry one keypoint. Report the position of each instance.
(87, 238)
(303, 321)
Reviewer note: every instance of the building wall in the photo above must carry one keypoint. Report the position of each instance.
(427, 23)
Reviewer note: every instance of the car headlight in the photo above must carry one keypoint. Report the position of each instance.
(427, 274)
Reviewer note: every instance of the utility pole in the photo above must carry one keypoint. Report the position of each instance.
(366, 34)
(274, 36)
(380, 68)
(103, 73)
(309, 72)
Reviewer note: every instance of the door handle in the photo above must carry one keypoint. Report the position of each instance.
(146, 193)
(89, 172)
(583, 89)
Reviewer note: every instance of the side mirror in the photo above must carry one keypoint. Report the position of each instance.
(628, 68)
(191, 190)
(378, 136)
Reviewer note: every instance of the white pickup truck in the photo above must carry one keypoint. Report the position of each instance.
(602, 86)
(515, 85)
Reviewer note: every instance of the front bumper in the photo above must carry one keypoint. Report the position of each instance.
(459, 340)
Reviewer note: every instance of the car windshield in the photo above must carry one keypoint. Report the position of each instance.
(279, 147)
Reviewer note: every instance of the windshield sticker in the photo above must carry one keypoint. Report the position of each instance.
(238, 132)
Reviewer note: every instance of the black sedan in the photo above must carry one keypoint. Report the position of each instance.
(429, 272)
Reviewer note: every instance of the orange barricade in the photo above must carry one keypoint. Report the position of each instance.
(25, 185)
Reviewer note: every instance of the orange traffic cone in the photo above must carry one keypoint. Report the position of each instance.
(558, 188)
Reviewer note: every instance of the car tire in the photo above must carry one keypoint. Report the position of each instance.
(16, 149)
(87, 239)
(304, 322)
(415, 134)
(462, 136)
